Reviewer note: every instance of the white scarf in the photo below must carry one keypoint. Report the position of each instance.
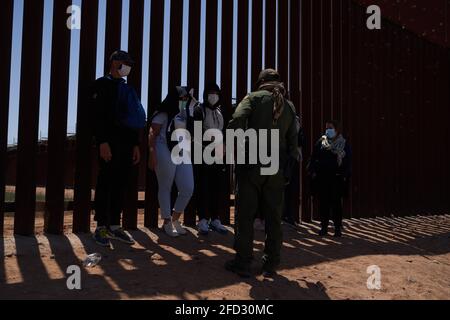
(213, 119)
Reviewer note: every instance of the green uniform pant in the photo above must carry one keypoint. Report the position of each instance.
(258, 193)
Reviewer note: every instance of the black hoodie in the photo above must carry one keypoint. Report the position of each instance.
(104, 95)
(212, 87)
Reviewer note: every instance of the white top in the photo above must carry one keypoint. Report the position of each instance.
(162, 119)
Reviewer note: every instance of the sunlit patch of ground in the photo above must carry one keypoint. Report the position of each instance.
(413, 254)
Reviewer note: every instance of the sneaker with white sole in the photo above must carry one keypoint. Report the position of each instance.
(217, 226)
(121, 235)
(169, 230)
(203, 227)
(101, 237)
(179, 228)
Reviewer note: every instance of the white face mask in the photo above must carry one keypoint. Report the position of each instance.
(124, 71)
(213, 99)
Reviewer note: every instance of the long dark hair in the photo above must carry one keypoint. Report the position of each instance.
(170, 104)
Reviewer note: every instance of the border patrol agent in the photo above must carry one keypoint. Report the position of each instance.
(267, 108)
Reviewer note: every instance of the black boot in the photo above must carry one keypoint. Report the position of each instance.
(323, 231)
(337, 232)
(237, 268)
(268, 270)
(289, 220)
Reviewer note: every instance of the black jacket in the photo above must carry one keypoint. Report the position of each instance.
(324, 162)
(105, 121)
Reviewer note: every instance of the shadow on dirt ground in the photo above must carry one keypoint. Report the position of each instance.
(413, 254)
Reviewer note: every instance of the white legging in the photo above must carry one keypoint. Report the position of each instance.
(167, 172)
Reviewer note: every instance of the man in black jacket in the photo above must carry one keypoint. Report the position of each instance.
(118, 146)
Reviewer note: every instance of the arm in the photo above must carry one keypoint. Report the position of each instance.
(101, 114)
(136, 149)
(348, 161)
(312, 165)
(136, 137)
(292, 140)
(198, 113)
(155, 130)
(241, 114)
(100, 121)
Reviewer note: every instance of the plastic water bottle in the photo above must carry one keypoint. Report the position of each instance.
(92, 260)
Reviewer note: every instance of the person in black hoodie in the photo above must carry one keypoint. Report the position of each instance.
(330, 170)
(210, 179)
(117, 119)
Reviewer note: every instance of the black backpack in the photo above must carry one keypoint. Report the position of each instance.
(300, 130)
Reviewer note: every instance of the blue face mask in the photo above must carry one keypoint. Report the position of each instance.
(330, 133)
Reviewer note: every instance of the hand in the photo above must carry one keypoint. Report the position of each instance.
(105, 152)
(221, 151)
(136, 155)
(152, 162)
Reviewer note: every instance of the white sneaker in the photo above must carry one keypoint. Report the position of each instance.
(217, 226)
(259, 225)
(203, 227)
(179, 228)
(169, 230)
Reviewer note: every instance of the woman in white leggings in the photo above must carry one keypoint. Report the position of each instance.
(167, 172)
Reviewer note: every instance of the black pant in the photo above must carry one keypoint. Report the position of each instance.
(210, 190)
(330, 193)
(112, 182)
(256, 192)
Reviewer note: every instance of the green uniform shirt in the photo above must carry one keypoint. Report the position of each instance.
(256, 112)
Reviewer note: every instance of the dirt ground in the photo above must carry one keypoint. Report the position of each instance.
(413, 254)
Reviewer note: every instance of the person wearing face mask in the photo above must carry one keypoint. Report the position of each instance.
(330, 170)
(173, 113)
(210, 179)
(118, 118)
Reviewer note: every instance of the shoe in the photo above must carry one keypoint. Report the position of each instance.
(268, 272)
(269, 269)
(289, 220)
(203, 227)
(179, 228)
(337, 232)
(323, 232)
(217, 226)
(259, 225)
(121, 235)
(101, 237)
(240, 270)
(169, 230)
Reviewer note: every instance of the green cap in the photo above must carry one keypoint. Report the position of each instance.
(268, 75)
